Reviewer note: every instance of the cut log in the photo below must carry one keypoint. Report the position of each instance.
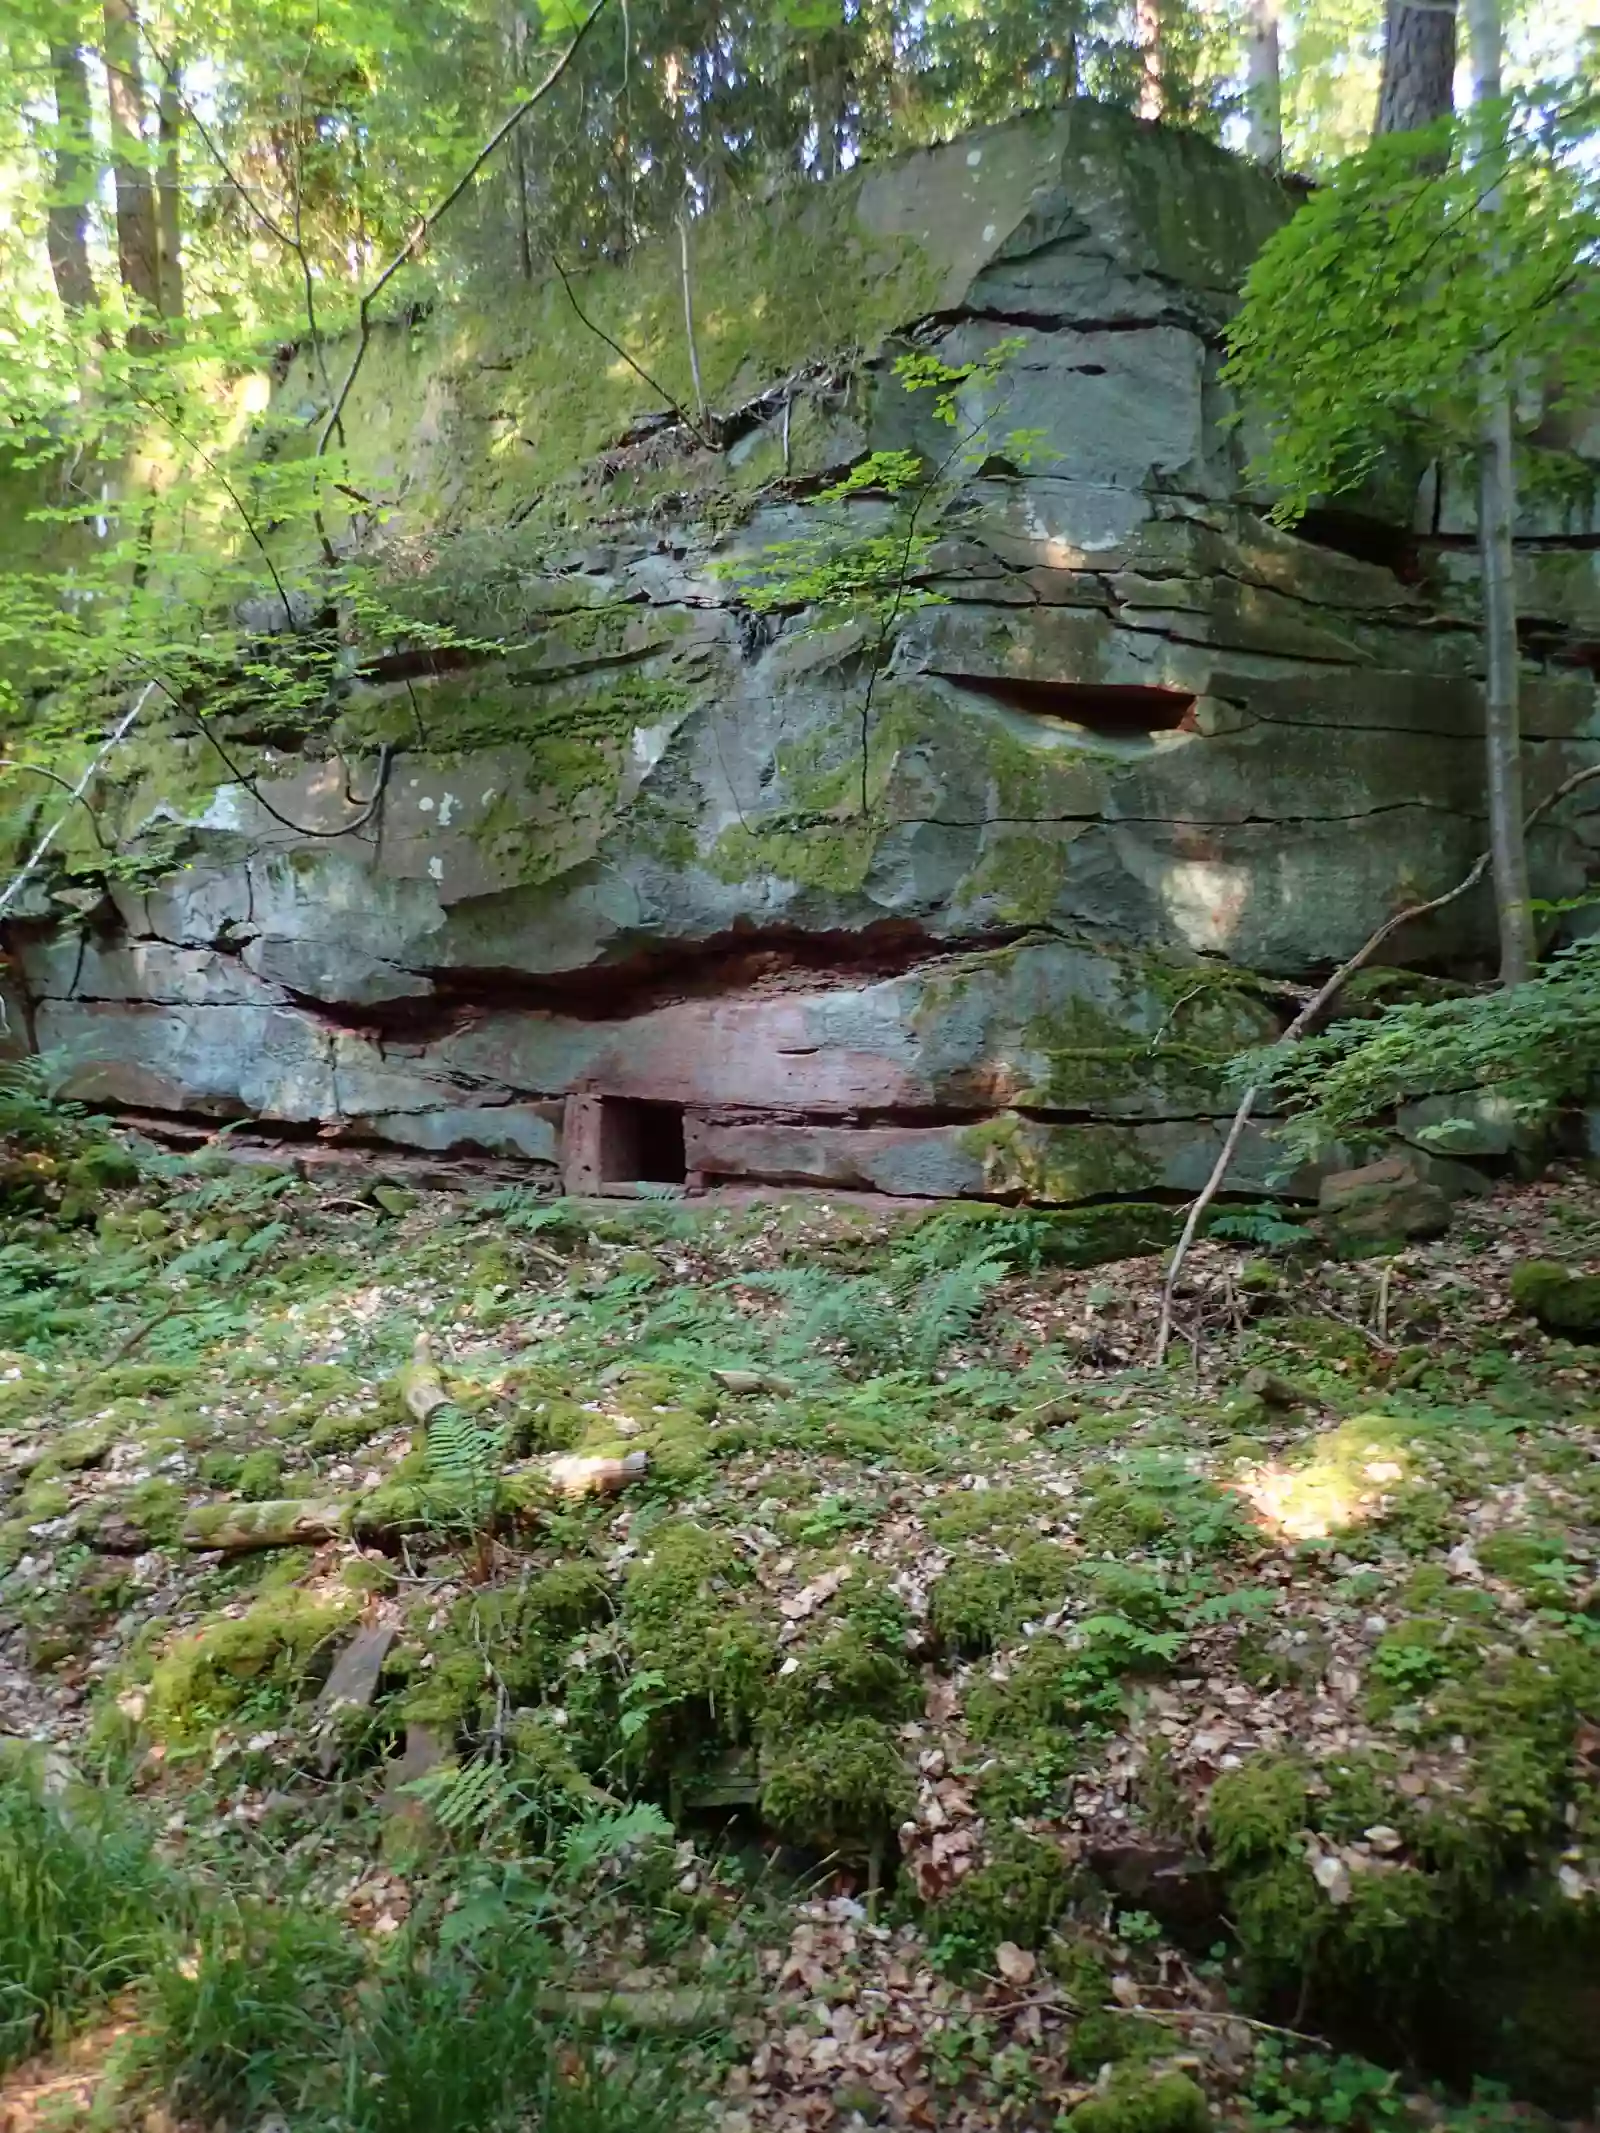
(239, 1528)
(421, 1386)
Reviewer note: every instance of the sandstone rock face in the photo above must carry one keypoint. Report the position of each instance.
(972, 902)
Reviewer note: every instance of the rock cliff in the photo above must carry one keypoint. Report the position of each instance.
(659, 887)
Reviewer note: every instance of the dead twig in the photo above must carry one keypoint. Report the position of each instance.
(1205, 2015)
(1306, 1021)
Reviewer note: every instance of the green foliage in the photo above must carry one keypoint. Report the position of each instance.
(1400, 235)
(1137, 2102)
(1265, 1225)
(32, 1113)
(83, 1906)
(463, 1459)
(906, 1315)
(1290, 2087)
(1532, 1045)
(250, 2017)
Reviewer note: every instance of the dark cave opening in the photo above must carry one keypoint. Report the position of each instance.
(1119, 711)
(641, 1142)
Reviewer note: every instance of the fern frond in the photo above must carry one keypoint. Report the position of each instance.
(461, 1452)
(464, 1798)
(945, 1306)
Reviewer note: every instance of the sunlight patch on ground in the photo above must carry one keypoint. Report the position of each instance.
(1344, 1483)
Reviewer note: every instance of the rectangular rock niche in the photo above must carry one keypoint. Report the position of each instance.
(615, 1144)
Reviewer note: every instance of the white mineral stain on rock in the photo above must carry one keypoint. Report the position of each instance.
(447, 807)
(226, 809)
(436, 868)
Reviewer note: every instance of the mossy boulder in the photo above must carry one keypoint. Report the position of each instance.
(1381, 1206)
(1564, 1303)
(981, 1601)
(1020, 1892)
(690, 1619)
(841, 1786)
(264, 1661)
(1141, 2102)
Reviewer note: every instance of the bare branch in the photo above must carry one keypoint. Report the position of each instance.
(1304, 1022)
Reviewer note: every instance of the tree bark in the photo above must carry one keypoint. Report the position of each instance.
(1147, 35)
(1264, 84)
(138, 232)
(67, 228)
(519, 150)
(1419, 64)
(1497, 509)
(169, 203)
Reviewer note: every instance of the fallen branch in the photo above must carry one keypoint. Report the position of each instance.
(243, 1528)
(1305, 1022)
(666, 2007)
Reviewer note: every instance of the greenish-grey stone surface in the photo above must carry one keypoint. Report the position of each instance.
(1136, 764)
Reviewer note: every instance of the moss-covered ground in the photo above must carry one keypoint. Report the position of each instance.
(962, 1724)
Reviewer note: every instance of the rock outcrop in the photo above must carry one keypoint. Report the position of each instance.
(974, 901)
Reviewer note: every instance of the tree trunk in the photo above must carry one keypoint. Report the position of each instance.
(67, 229)
(1497, 507)
(519, 149)
(138, 232)
(1062, 52)
(169, 203)
(1147, 28)
(1264, 85)
(1419, 64)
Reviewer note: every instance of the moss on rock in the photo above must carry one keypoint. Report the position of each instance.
(1020, 1892)
(263, 1658)
(840, 1786)
(1139, 2102)
(1563, 1303)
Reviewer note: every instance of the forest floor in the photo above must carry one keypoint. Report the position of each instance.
(964, 1723)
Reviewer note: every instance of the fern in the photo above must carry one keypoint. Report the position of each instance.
(946, 1305)
(853, 1311)
(461, 1451)
(1264, 1225)
(32, 1115)
(464, 1458)
(219, 1259)
(598, 1839)
(465, 1798)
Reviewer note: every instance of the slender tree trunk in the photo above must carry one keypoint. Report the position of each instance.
(169, 203)
(138, 232)
(1147, 35)
(1264, 84)
(519, 150)
(1497, 508)
(688, 312)
(1419, 64)
(1062, 51)
(67, 229)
